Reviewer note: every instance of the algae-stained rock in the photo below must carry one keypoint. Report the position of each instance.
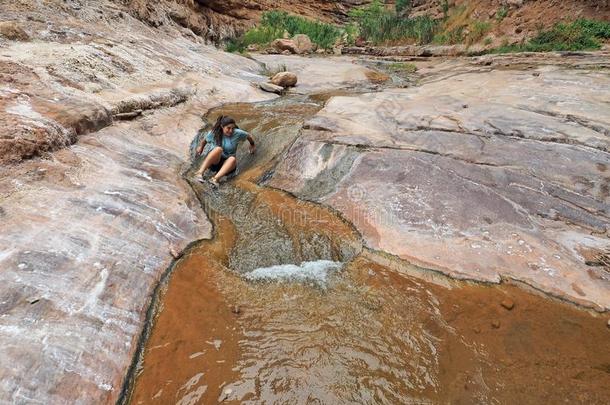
(492, 175)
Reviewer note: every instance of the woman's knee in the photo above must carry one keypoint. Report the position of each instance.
(215, 155)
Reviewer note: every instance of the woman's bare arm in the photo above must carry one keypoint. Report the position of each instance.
(252, 145)
(201, 146)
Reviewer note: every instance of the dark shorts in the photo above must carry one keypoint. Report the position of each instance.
(215, 168)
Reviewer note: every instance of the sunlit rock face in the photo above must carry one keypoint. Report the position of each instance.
(217, 20)
(484, 175)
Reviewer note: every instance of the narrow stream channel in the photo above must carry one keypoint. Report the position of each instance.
(350, 325)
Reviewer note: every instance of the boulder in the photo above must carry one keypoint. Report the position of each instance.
(284, 79)
(271, 88)
(299, 44)
(303, 44)
(283, 44)
(13, 31)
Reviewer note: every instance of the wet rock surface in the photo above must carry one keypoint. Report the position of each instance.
(482, 174)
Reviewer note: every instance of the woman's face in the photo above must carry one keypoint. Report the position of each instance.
(228, 129)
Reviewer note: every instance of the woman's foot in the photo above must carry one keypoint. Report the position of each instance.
(213, 181)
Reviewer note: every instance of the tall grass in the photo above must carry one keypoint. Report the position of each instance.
(459, 27)
(579, 35)
(380, 25)
(273, 25)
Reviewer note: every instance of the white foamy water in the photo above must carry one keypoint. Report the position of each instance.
(316, 272)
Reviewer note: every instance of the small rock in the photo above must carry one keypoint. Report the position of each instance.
(13, 31)
(477, 330)
(284, 79)
(508, 304)
(464, 105)
(174, 252)
(236, 309)
(303, 43)
(225, 394)
(286, 52)
(536, 74)
(337, 50)
(321, 51)
(281, 45)
(271, 88)
(168, 72)
(127, 115)
(495, 323)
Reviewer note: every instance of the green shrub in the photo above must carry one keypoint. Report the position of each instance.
(579, 35)
(501, 13)
(598, 29)
(324, 35)
(403, 7)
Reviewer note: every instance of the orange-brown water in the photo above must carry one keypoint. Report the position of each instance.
(377, 331)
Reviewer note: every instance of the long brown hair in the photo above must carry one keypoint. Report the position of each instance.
(221, 122)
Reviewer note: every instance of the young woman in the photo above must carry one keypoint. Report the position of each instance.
(224, 138)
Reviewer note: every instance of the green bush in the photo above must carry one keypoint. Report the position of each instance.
(403, 6)
(324, 35)
(579, 35)
(274, 23)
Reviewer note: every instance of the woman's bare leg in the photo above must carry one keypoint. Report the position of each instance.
(227, 167)
(212, 158)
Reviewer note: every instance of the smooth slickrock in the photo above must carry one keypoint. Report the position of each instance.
(318, 74)
(93, 210)
(486, 175)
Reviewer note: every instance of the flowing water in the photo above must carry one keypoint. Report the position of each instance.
(285, 306)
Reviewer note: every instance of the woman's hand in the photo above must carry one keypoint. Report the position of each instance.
(252, 144)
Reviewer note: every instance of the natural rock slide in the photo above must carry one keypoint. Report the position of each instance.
(489, 170)
(376, 331)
